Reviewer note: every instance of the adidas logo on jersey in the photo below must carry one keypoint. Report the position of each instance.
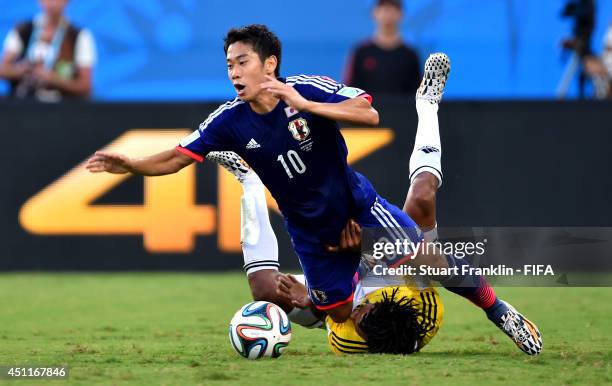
(253, 144)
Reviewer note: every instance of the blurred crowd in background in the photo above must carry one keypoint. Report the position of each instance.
(152, 50)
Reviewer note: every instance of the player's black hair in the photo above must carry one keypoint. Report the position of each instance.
(264, 42)
(391, 326)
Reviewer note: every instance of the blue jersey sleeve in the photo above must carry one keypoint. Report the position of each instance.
(325, 90)
(212, 135)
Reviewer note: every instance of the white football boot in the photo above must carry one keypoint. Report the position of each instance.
(521, 330)
(232, 163)
(437, 68)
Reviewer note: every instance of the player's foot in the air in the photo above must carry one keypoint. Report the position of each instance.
(437, 68)
(231, 162)
(521, 330)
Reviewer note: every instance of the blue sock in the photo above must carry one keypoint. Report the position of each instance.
(495, 312)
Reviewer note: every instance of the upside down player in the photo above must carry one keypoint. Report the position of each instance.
(287, 131)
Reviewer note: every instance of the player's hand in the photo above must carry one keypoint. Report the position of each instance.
(290, 287)
(287, 93)
(103, 161)
(350, 239)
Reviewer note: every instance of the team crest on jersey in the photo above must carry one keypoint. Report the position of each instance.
(299, 129)
(319, 295)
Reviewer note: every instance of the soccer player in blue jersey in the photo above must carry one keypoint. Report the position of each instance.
(286, 130)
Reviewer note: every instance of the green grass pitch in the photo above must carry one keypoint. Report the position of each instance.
(171, 329)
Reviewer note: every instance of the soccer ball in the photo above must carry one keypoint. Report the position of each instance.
(260, 329)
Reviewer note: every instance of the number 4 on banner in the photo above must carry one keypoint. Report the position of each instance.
(169, 219)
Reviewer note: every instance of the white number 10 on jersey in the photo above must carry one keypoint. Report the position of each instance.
(294, 160)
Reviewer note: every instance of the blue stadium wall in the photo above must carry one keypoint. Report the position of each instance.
(172, 50)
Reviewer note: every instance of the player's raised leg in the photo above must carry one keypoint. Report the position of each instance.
(425, 161)
(259, 244)
(426, 177)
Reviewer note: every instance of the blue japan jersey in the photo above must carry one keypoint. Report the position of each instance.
(300, 157)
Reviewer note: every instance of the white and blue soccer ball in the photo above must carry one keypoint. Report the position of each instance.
(260, 329)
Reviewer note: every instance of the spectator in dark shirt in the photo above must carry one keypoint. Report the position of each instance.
(385, 64)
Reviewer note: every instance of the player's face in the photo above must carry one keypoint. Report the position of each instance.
(245, 70)
(358, 314)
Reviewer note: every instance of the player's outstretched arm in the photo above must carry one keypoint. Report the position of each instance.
(357, 111)
(166, 162)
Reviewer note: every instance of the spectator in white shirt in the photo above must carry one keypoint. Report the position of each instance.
(600, 68)
(48, 58)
